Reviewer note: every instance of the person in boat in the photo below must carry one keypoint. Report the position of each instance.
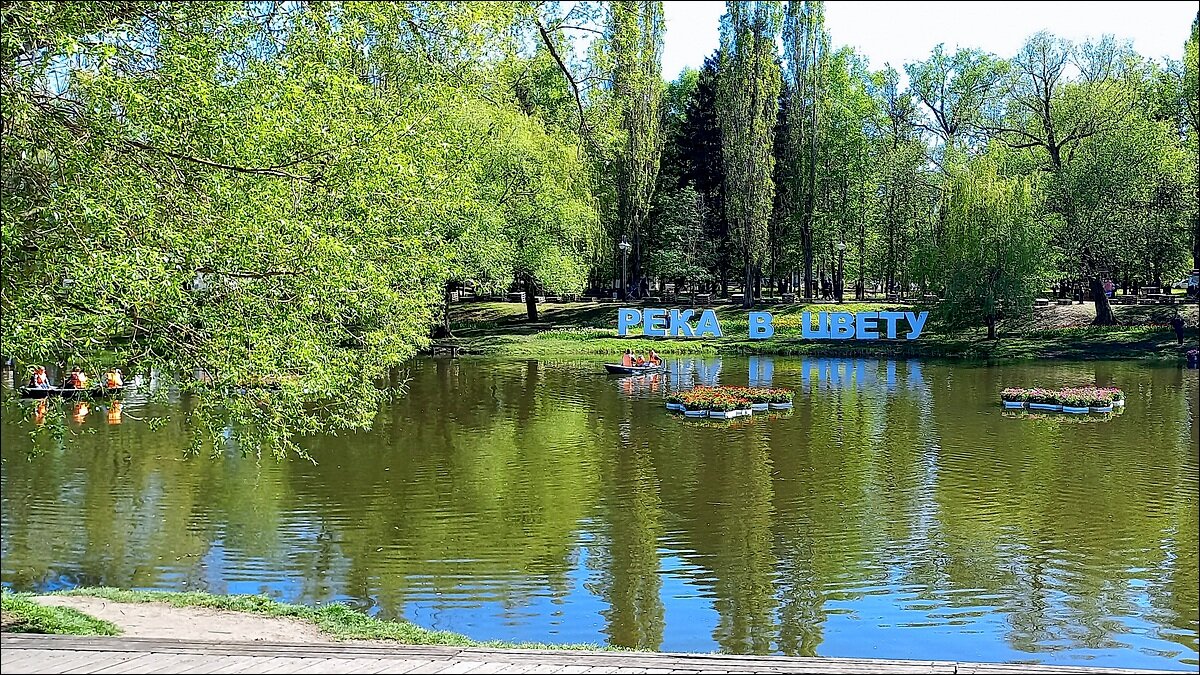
(113, 380)
(38, 378)
(627, 358)
(76, 380)
(655, 360)
(641, 361)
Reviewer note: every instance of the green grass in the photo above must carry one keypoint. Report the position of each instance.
(337, 621)
(22, 615)
(498, 328)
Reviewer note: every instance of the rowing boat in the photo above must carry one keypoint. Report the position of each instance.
(617, 369)
(59, 392)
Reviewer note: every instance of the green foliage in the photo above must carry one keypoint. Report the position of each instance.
(23, 615)
(991, 256)
(747, 93)
(280, 195)
(636, 41)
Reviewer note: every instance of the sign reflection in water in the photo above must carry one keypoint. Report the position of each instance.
(895, 512)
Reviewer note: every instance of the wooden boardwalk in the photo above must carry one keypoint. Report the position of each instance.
(69, 654)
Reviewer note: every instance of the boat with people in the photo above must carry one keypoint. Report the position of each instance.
(632, 364)
(76, 385)
(618, 369)
(69, 394)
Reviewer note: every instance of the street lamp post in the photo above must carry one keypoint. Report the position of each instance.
(841, 273)
(624, 246)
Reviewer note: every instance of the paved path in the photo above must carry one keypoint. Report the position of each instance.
(69, 654)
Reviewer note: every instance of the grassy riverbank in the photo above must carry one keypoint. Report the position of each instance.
(1058, 332)
(336, 621)
(20, 614)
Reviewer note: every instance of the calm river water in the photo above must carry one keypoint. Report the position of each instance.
(896, 512)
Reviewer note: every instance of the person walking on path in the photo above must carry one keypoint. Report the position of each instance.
(1177, 324)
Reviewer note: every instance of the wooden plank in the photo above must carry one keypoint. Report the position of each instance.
(22, 658)
(219, 663)
(515, 668)
(64, 660)
(33, 660)
(397, 666)
(279, 664)
(41, 653)
(459, 667)
(151, 663)
(434, 666)
(107, 660)
(180, 661)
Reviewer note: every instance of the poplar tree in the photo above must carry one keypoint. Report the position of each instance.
(637, 39)
(748, 87)
(806, 49)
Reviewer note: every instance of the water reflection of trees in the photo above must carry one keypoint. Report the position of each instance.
(483, 484)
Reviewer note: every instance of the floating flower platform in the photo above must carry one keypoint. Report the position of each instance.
(728, 402)
(1074, 400)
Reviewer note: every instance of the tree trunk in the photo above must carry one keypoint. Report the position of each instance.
(808, 268)
(991, 326)
(748, 287)
(443, 331)
(531, 310)
(1104, 312)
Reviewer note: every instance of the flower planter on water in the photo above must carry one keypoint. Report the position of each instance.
(1073, 409)
(695, 413)
(723, 414)
(1013, 404)
(1119, 402)
(781, 406)
(1044, 406)
(759, 406)
(676, 406)
(1103, 408)
(744, 412)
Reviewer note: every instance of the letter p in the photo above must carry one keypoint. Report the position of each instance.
(627, 317)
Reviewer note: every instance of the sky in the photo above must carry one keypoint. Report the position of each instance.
(904, 32)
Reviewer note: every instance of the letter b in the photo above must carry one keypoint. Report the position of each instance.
(761, 327)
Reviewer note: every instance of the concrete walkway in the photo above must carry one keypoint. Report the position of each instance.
(23, 653)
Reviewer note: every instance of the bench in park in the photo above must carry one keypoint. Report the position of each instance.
(444, 347)
(1041, 302)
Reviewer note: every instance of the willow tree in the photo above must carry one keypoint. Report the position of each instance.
(636, 43)
(747, 98)
(264, 191)
(806, 50)
(1052, 114)
(991, 259)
